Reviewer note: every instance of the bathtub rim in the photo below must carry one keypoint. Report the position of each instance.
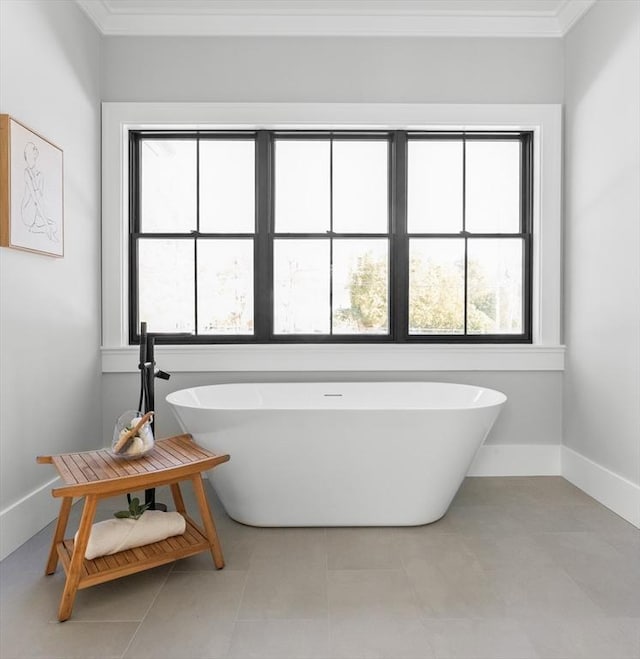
(495, 399)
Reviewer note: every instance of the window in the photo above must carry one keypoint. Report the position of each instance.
(331, 236)
(192, 255)
(467, 224)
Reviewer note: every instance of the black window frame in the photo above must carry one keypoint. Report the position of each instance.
(398, 235)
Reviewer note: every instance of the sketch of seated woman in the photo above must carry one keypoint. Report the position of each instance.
(34, 211)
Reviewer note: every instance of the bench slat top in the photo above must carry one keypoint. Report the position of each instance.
(173, 454)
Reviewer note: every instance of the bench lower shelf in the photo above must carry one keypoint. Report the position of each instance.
(130, 561)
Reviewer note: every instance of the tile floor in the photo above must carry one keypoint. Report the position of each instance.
(519, 568)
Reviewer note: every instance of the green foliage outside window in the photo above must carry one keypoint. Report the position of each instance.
(436, 298)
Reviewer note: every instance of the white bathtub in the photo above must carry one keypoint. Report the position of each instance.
(339, 454)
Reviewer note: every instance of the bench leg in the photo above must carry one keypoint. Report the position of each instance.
(58, 536)
(207, 520)
(75, 568)
(177, 498)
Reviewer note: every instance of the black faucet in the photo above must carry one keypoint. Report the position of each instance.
(148, 375)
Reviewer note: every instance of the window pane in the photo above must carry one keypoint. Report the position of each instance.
(495, 286)
(361, 286)
(168, 186)
(165, 285)
(227, 186)
(302, 186)
(301, 287)
(493, 186)
(225, 286)
(434, 173)
(436, 286)
(360, 182)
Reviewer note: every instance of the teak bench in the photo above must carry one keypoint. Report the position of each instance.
(97, 475)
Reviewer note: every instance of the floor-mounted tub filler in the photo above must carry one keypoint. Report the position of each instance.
(339, 454)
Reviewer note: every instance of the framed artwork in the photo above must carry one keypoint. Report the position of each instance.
(31, 190)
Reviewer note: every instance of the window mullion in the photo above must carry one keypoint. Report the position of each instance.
(195, 241)
(465, 307)
(263, 247)
(399, 266)
(331, 236)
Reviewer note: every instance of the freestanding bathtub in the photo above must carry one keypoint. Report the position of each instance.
(339, 454)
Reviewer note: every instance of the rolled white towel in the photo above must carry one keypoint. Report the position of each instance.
(114, 535)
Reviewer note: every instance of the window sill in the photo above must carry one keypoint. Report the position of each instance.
(339, 357)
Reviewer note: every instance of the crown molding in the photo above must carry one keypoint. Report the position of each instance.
(377, 18)
(570, 12)
(98, 12)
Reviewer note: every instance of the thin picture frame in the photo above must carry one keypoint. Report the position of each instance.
(31, 190)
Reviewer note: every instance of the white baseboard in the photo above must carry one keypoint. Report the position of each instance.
(610, 489)
(26, 517)
(517, 460)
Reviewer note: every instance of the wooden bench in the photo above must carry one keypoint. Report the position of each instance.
(97, 475)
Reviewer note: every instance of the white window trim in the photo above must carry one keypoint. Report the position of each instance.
(546, 353)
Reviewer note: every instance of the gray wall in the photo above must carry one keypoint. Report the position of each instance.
(344, 70)
(602, 271)
(50, 308)
(532, 415)
(441, 70)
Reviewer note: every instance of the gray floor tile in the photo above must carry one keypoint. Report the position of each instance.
(571, 546)
(363, 548)
(447, 551)
(301, 547)
(510, 551)
(493, 491)
(608, 576)
(67, 640)
(552, 490)
(371, 593)
(31, 556)
(615, 590)
(628, 544)
(479, 639)
(605, 638)
(192, 637)
(29, 600)
(488, 519)
(191, 618)
(544, 592)
(518, 568)
(276, 589)
(465, 592)
(379, 638)
(280, 639)
(548, 518)
(601, 520)
(122, 600)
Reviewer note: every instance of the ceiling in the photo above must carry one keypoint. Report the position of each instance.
(406, 18)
